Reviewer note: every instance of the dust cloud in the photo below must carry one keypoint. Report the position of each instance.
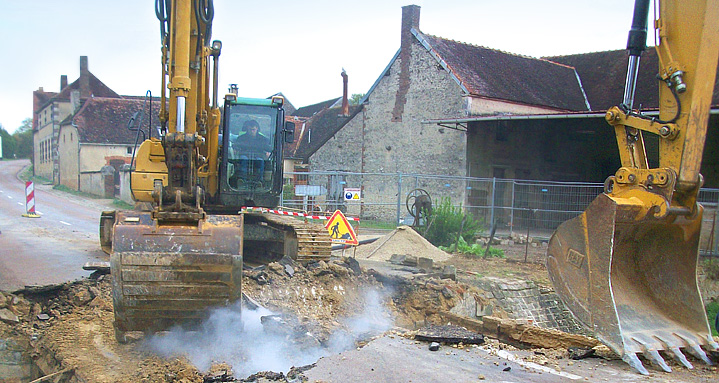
(241, 340)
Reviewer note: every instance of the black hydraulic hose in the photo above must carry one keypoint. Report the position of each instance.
(204, 12)
(162, 11)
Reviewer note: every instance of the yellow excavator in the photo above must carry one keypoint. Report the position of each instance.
(626, 267)
(171, 262)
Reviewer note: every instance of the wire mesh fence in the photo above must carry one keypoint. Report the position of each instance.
(523, 206)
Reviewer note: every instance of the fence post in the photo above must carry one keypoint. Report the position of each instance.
(511, 212)
(494, 196)
(716, 231)
(399, 196)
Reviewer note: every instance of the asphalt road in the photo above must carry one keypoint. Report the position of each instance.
(50, 249)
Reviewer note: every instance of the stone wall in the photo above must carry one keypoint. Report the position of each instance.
(387, 137)
(523, 301)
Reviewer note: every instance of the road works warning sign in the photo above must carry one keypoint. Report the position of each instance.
(340, 230)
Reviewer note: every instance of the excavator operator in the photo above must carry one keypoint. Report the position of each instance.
(253, 149)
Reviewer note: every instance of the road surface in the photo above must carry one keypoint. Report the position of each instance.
(50, 249)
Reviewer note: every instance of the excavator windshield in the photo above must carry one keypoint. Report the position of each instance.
(249, 139)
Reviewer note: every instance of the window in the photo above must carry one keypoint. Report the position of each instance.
(129, 150)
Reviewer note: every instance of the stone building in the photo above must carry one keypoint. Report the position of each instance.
(433, 78)
(51, 108)
(80, 134)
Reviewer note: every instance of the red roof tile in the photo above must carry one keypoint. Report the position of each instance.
(499, 75)
(104, 120)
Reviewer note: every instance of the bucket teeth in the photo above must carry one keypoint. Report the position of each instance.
(631, 359)
(679, 356)
(697, 351)
(654, 356)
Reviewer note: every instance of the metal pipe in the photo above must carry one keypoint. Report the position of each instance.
(180, 128)
(631, 83)
(636, 44)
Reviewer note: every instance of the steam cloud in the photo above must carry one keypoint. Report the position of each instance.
(241, 341)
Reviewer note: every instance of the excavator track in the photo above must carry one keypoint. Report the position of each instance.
(302, 241)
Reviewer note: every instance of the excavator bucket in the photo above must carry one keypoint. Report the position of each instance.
(631, 280)
(169, 275)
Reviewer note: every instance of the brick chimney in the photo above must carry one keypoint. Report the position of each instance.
(410, 19)
(63, 82)
(84, 78)
(345, 101)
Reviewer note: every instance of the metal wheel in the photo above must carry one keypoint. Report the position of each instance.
(419, 206)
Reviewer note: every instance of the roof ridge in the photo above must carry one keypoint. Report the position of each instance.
(485, 47)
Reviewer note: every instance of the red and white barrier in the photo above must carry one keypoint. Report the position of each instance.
(292, 213)
(30, 200)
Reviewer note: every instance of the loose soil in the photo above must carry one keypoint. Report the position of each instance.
(313, 301)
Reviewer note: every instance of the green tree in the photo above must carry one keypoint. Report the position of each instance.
(355, 98)
(23, 139)
(8, 143)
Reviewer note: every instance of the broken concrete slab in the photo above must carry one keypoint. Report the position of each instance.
(577, 353)
(425, 264)
(8, 316)
(449, 334)
(449, 272)
(511, 331)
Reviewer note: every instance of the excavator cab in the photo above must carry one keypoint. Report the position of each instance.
(253, 132)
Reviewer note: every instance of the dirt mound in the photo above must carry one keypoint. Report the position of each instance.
(402, 241)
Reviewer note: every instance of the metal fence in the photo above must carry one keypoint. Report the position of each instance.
(514, 205)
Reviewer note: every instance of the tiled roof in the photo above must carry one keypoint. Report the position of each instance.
(96, 89)
(499, 75)
(104, 120)
(311, 110)
(603, 75)
(320, 128)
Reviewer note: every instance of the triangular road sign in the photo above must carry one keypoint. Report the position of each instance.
(340, 230)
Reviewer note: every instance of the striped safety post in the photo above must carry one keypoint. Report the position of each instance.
(30, 201)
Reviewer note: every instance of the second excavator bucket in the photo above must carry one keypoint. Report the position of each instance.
(630, 278)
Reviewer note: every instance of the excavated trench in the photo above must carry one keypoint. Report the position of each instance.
(292, 315)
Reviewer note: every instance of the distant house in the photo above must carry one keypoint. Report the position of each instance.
(80, 134)
(95, 143)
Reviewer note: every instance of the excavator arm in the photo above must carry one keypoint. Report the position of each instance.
(626, 267)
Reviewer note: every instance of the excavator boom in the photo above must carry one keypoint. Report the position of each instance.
(626, 267)
(183, 255)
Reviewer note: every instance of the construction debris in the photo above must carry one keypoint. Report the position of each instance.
(448, 334)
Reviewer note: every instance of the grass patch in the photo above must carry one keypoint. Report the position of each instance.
(369, 224)
(26, 174)
(66, 189)
(475, 249)
(122, 205)
(712, 310)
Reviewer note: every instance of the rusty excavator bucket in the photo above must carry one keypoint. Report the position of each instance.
(169, 275)
(631, 279)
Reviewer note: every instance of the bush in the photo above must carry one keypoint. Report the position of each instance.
(445, 223)
(475, 249)
(712, 310)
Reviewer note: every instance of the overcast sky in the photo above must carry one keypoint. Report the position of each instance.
(295, 47)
